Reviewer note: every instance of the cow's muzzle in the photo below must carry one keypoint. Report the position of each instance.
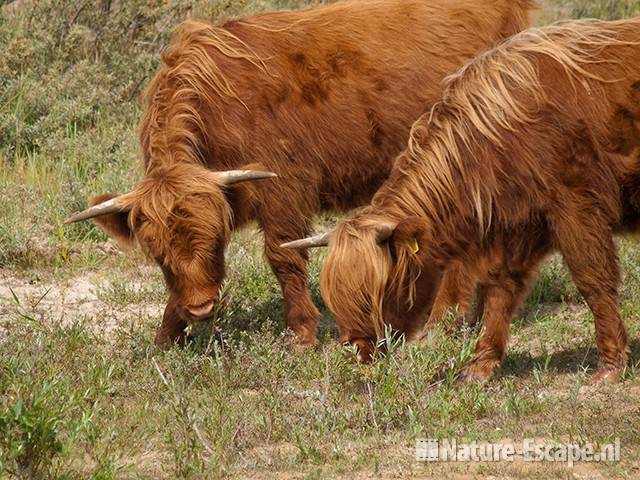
(201, 312)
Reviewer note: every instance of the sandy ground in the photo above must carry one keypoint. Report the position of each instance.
(63, 302)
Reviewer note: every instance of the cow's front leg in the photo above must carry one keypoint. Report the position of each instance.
(290, 267)
(503, 291)
(454, 297)
(172, 329)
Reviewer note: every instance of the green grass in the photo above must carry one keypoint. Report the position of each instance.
(77, 404)
(83, 393)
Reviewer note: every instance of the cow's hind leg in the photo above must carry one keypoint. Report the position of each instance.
(587, 245)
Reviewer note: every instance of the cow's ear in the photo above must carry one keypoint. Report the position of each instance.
(116, 225)
(412, 236)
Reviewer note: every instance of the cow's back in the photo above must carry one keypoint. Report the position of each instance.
(330, 101)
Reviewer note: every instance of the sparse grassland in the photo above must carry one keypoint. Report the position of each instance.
(83, 393)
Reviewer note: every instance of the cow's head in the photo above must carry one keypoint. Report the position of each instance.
(181, 217)
(373, 270)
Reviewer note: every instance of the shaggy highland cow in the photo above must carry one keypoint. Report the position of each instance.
(321, 98)
(534, 147)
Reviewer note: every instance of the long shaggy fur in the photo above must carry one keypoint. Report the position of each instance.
(355, 279)
(173, 129)
(496, 92)
(355, 250)
(534, 145)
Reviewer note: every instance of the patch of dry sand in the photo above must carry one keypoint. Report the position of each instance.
(64, 302)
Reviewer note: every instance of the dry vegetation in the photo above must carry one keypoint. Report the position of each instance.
(83, 394)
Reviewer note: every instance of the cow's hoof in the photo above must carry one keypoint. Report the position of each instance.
(477, 372)
(607, 375)
(301, 342)
(428, 338)
(365, 349)
(166, 342)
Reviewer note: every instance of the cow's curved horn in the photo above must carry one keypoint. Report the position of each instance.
(234, 176)
(113, 205)
(384, 231)
(320, 240)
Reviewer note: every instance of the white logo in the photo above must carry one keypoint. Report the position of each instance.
(530, 450)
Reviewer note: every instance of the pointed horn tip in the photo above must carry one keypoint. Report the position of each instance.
(321, 240)
(266, 175)
(294, 244)
(72, 219)
(108, 207)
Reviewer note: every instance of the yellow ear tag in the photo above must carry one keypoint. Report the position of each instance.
(415, 248)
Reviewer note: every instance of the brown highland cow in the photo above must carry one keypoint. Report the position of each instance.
(322, 98)
(534, 147)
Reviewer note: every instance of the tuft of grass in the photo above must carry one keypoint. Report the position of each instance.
(76, 405)
(30, 427)
(604, 9)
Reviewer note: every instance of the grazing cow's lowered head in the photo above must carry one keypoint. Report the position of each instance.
(181, 217)
(370, 277)
(181, 212)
